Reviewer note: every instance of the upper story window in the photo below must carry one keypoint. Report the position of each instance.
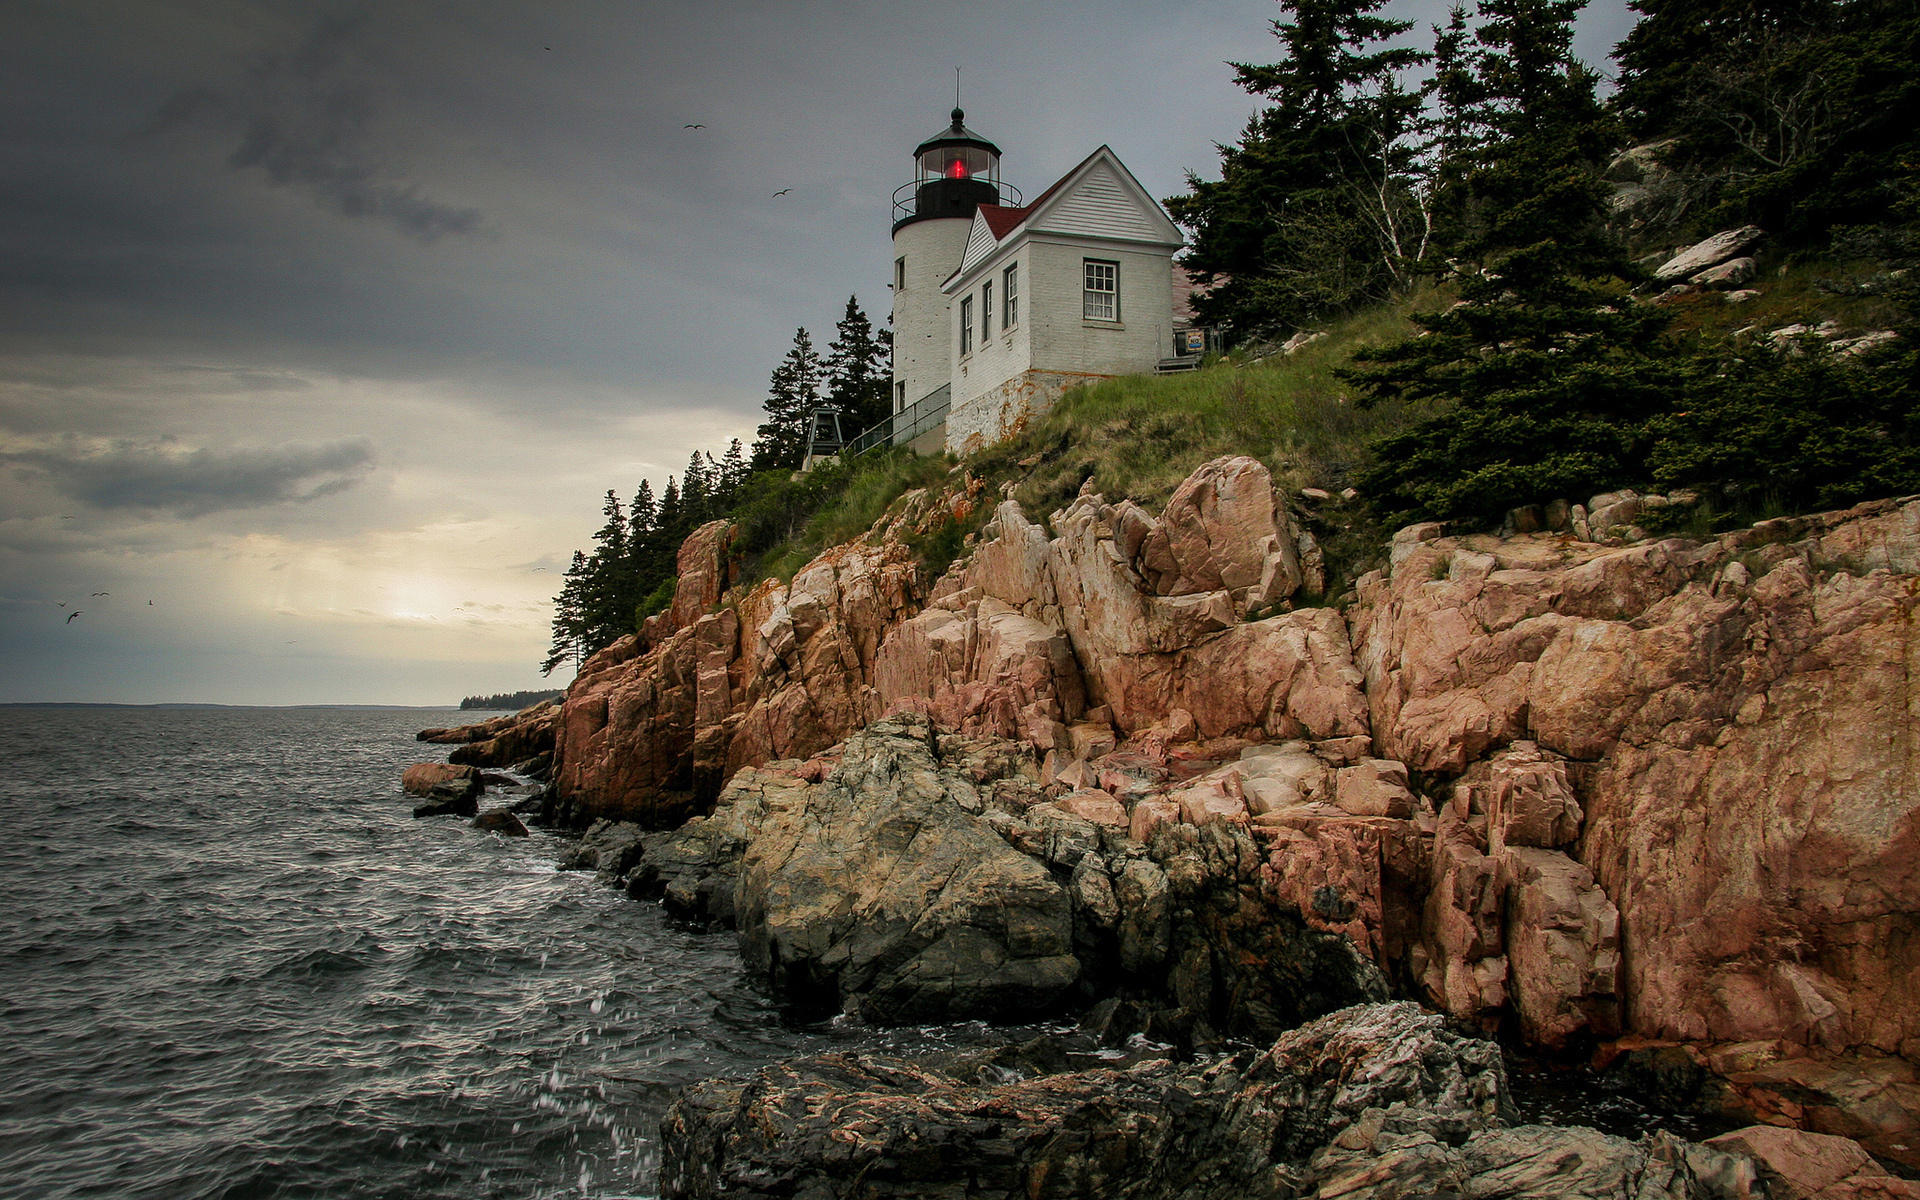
(986, 310)
(899, 395)
(900, 274)
(1101, 292)
(966, 326)
(1010, 296)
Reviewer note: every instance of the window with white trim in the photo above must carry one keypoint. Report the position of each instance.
(966, 326)
(1101, 291)
(1010, 296)
(900, 274)
(986, 310)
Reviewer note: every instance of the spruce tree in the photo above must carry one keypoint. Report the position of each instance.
(733, 474)
(1547, 374)
(609, 592)
(1300, 225)
(569, 618)
(793, 393)
(859, 372)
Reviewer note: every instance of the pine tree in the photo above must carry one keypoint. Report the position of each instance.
(569, 618)
(695, 498)
(794, 392)
(609, 590)
(859, 373)
(1546, 375)
(733, 474)
(1301, 224)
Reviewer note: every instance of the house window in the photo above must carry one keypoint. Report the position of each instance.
(966, 326)
(1101, 295)
(900, 274)
(1010, 297)
(899, 394)
(986, 310)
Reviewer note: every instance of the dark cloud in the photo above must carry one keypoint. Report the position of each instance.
(303, 118)
(193, 483)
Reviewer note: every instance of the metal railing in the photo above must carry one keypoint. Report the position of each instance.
(902, 427)
(906, 196)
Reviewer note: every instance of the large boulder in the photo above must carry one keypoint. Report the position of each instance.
(881, 892)
(421, 778)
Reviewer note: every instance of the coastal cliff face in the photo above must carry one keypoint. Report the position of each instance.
(1664, 788)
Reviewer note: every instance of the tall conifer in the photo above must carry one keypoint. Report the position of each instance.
(793, 393)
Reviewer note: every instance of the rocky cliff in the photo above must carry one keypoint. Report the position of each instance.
(1663, 788)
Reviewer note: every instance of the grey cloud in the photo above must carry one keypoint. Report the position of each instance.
(193, 483)
(303, 121)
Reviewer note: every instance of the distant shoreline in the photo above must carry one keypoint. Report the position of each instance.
(105, 704)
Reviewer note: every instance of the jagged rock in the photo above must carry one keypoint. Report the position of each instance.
(525, 735)
(1729, 274)
(1563, 947)
(1812, 1166)
(609, 848)
(459, 798)
(1716, 249)
(421, 778)
(1735, 708)
(500, 820)
(881, 893)
(1376, 1101)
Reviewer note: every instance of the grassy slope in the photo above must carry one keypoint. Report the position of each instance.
(1138, 436)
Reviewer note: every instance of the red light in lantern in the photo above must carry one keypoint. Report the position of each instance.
(956, 169)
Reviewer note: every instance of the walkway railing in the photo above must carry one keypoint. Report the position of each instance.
(928, 412)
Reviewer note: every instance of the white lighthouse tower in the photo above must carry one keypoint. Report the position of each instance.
(956, 171)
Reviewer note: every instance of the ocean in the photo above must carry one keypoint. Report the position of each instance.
(234, 965)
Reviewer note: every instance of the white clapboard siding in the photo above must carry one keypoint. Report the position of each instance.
(1098, 205)
(980, 243)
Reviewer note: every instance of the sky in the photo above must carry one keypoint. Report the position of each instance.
(324, 327)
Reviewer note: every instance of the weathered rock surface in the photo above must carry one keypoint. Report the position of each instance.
(1812, 1166)
(879, 891)
(1650, 786)
(501, 821)
(501, 741)
(1734, 721)
(421, 778)
(1716, 249)
(1375, 1101)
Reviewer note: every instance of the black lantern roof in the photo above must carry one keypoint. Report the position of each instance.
(956, 134)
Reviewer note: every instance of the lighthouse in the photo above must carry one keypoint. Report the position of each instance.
(955, 172)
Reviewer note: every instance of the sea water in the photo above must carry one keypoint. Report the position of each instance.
(233, 964)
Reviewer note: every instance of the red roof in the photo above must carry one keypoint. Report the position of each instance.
(1001, 219)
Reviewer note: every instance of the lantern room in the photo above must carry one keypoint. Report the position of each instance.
(957, 170)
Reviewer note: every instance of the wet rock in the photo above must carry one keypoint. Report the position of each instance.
(421, 778)
(459, 798)
(609, 848)
(500, 820)
(1812, 1166)
(847, 1125)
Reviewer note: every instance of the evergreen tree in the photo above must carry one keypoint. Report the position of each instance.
(1546, 375)
(569, 618)
(1796, 115)
(695, 497)
(859, 372)
(1292, 232)
(793, 394)
(607, 611)
(733, 474)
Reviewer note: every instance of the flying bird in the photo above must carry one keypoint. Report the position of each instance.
(103, 593)
(72, 615)
(149, 603)
(693, 126)
(783, 191)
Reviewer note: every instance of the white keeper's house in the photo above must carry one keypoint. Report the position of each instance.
(998, 307)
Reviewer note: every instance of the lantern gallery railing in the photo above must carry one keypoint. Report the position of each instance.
(906, 197)
(928, 412)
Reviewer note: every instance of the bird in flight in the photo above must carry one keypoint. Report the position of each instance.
(693, 126)
(72, 615)
(783, 191)
(103, 593)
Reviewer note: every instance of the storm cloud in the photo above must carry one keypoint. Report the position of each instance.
(193, 482)
(303, 118)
